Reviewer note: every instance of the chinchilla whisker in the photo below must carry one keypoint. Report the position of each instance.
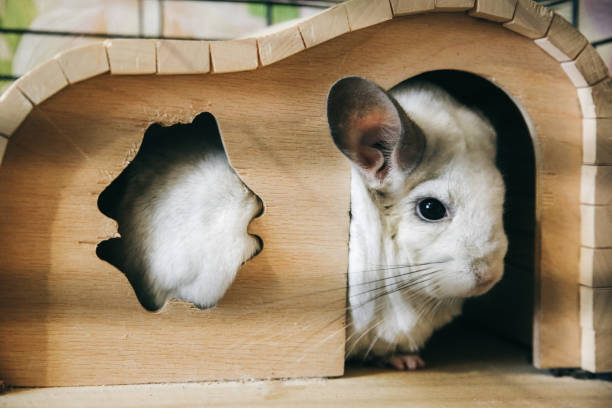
(391, 283)
(365, 332)
(385, 267)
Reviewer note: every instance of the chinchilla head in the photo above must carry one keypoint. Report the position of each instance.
(427, 163)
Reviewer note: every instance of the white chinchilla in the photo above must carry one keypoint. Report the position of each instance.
(183, 214)
(426, 212)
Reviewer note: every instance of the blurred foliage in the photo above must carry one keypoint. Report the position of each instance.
(280, 13)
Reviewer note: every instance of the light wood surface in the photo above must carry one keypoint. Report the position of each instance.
(596, 226)
(596, 185)
(596, 308)
(596, 351)
(587, 69)
(597, 141)
(596, 101)
(364, 13)
(405, 7)
(84, 62)
(563, 42)
(324, 26)
(42, 82)
(464, 369)
(494, 10)
(530, 19)
(454, 5)
(182, 57)
(234, 55)
(279, 45)
(15, 108)
(596, 267)
(131, 57)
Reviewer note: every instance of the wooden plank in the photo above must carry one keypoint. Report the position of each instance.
(42, 82)
(84, 62)
(563, 41)
(3, 143)
(131, 57)
(596, 267)
(587, 69)
(596, 225)
(596, 185)
(494, 10)
(530, 19)
(14, 108)
(454, 5)
(324, 26)
(596, 308)
(365, 13)
(234, 55)
(182, 57)
(279, 45)
(596, 101)
(597, 141)
(405, 7)
(596, 351)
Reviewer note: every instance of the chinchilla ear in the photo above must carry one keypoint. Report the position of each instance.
(371, 129)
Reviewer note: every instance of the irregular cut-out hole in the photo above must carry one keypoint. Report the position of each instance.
(182, 214)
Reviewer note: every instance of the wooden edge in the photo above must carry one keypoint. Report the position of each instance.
(595, 307)
(587, 69)
(406, 7)
(234, 55)
(324, 26)
(596, 101)
(131, 56)
(42, 82)
(596, 267)
(3, 143)
(596, 185)
(597, 141)
(563, 42)
(596, 226)
(14, 108)
(175, 57)
(365, 13)
(454, 5)
(279, 45)
(596, 351)
(79, 64)
(498, 11)
(530, 19)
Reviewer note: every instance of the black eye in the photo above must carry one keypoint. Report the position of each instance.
(431, 209)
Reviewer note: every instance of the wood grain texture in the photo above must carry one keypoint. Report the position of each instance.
(466, 370)
(596, 351)
(42, 82)
(405, 7)
(530, 19)
(596, 101)
(596, 225)
(494, 10)
(454, 5)
(84, 62)
(364, 13)
(3, 143)
(324, 26)
(182, 57)
(70, 303)
(596, 308)
(563, 41)
(597, 141)
(596, 267)
(587, 69)
(596, 185)
(131, 57)
(14, 108)
(234, 55)
(279, 45)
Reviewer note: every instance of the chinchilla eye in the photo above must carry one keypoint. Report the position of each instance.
(430, 209)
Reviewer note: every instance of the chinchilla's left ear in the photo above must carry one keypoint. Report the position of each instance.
(371, 129)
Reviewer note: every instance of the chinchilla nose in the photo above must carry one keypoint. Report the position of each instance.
(487, 272)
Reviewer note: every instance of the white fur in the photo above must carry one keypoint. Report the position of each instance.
(458, 169)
